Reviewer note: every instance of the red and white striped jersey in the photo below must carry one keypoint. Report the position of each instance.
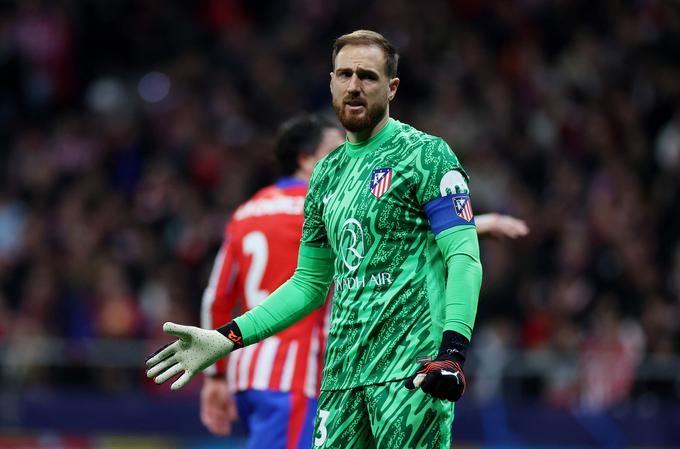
(259, 253)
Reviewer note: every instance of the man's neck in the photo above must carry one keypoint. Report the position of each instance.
(302, 175)
(360, 136)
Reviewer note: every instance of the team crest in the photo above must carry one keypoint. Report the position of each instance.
(463, 207)
(380, 181)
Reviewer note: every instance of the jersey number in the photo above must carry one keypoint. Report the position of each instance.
(255, 245)
(323, 416)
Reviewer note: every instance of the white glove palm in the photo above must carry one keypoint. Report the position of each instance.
(195, 350)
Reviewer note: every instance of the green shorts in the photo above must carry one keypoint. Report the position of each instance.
(382, 416)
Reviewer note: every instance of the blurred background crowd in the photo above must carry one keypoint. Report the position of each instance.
(130, 130)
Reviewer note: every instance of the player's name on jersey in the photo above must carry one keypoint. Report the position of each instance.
(292, 205)
(357, 282)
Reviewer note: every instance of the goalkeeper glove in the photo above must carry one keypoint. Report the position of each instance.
(443, 377)
(195, 350)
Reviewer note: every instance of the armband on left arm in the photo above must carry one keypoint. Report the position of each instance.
(449, 211)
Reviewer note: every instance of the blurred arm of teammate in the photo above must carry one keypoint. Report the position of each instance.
(500, 226)
(218, 407)
(199, 348)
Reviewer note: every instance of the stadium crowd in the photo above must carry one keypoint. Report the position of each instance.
(130, 130)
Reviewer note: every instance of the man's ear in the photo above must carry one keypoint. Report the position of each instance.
(394, 84)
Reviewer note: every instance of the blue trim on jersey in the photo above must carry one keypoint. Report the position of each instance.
(442, 212)
(289, 181)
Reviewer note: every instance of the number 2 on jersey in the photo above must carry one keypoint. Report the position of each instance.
(255, 245)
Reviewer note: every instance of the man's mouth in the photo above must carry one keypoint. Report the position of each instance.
(355, 105)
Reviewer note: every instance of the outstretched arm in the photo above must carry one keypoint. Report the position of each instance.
(303, 293)
(199, 348)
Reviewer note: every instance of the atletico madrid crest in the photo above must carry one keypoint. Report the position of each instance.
(463, 207)
(380, 181)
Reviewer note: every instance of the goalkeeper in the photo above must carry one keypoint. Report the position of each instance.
(389, 222)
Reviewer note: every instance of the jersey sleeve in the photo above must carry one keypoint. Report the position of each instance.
(219, 297)
(442, 187)
(460, 249)
(313, 231)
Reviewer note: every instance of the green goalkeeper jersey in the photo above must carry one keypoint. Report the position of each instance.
(367, 202)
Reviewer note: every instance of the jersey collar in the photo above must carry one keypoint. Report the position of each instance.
(372, 143)
(289, 181)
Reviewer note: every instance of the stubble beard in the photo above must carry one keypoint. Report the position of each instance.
(357, 123)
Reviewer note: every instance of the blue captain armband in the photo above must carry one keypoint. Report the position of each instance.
(448, 211)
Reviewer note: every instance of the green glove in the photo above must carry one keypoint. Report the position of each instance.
(195, 350)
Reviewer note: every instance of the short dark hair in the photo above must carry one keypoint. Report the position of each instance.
(298, 135)
(368, 37)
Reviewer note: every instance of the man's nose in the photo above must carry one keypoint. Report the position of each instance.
(354, 84)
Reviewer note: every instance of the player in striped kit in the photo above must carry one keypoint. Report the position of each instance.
(277, 380)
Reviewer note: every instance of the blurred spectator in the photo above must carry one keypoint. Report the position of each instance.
(608, 358)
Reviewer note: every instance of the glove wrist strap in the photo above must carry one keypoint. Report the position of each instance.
(454, 345)
(232, 332)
